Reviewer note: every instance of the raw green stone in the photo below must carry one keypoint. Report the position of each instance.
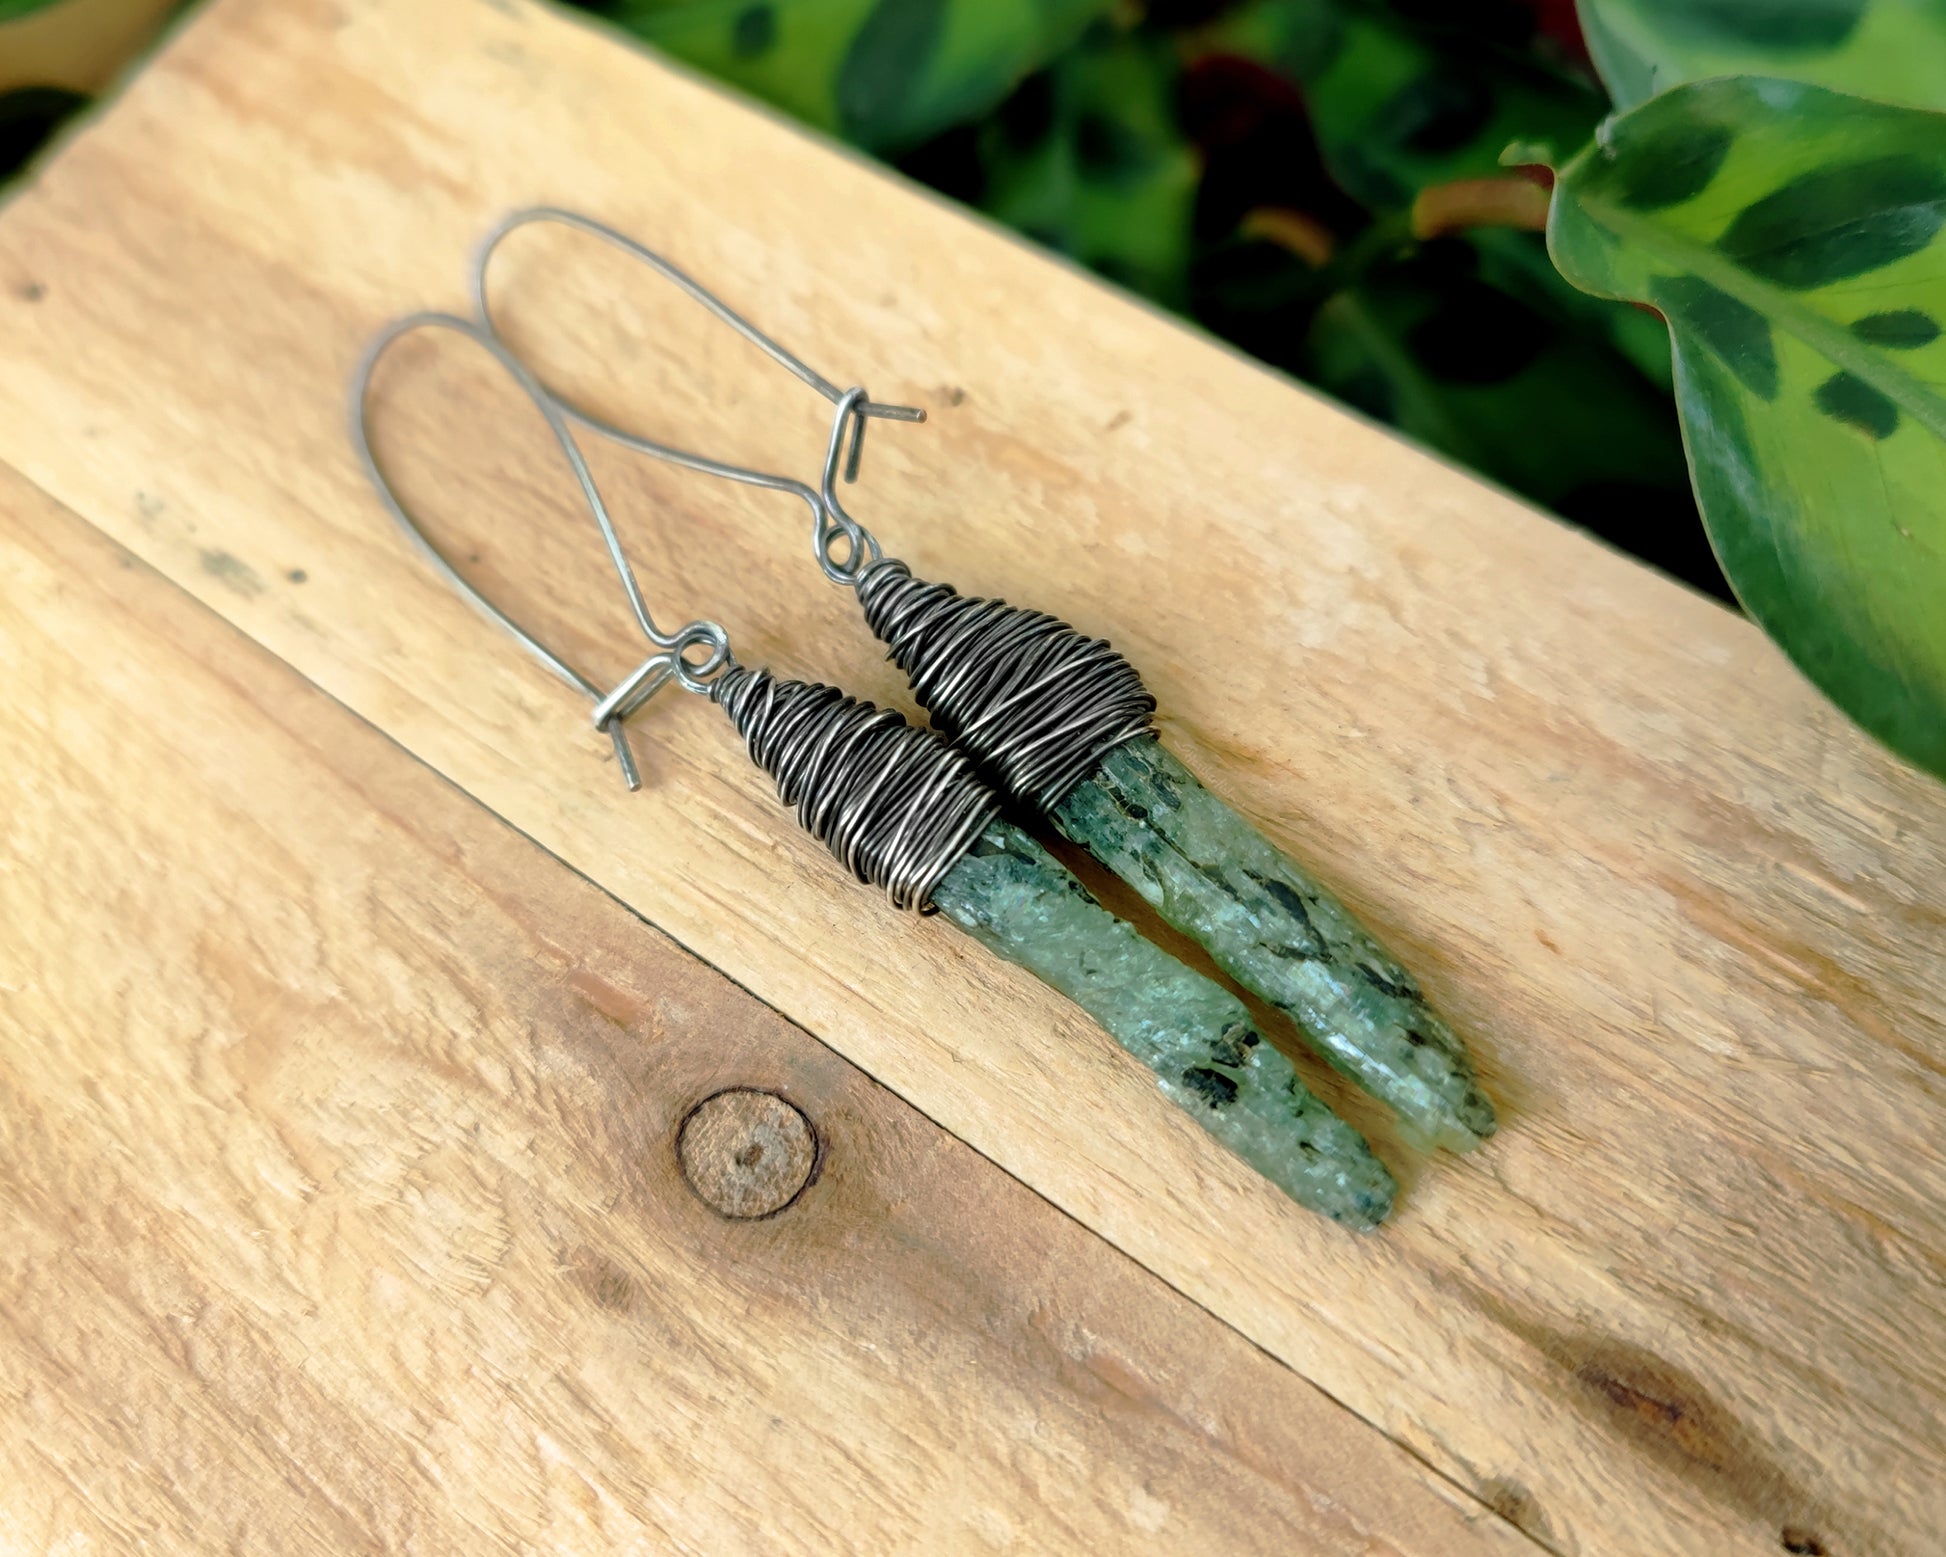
(1274, 928)
(1014, 897)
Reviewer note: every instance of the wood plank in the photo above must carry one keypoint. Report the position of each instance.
(1689, 1299)
(341, 1207)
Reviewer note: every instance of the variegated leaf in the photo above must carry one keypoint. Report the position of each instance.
(1792, 238)
(1892, 50)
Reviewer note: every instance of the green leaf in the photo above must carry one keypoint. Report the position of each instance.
(885, 74)
(1396, 108)
(11, 9)
(1892, 50)
(1088, 160)
(1792, 238)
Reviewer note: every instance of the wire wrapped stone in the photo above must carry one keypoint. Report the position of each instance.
(1037, 702)
(1054, 720)
(896, 804)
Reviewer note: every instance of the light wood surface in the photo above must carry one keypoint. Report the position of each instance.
(340, 1206)
(1690, 1299)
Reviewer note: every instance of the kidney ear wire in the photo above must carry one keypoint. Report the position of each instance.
(853, 407)
(896, 804)
(675, 653)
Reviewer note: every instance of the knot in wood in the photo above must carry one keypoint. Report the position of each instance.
(746, 1153)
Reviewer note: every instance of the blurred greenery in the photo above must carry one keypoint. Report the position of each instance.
(1260, 166)
(885, 74)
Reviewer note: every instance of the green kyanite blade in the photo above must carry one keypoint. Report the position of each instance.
(1014, 897)
(1274, 928)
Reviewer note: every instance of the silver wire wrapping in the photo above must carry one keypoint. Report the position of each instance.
(1035, 701)
(894, 803)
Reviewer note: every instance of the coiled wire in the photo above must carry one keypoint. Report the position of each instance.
(895, 804)
(1036, 702)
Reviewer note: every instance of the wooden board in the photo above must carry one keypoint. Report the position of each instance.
(1690, 1299)
(340, 1207)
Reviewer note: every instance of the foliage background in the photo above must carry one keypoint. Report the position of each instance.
(1252, 165)
(1256, 166)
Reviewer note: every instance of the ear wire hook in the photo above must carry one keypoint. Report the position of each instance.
(611, 708)
(854, 407)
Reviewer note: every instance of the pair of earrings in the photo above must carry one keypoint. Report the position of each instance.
(1027, 713)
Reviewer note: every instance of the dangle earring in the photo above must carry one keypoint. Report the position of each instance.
(906, 812)
(1061, 724)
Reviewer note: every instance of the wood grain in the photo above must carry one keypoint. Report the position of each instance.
(1690, 1299)
(340, 1208)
